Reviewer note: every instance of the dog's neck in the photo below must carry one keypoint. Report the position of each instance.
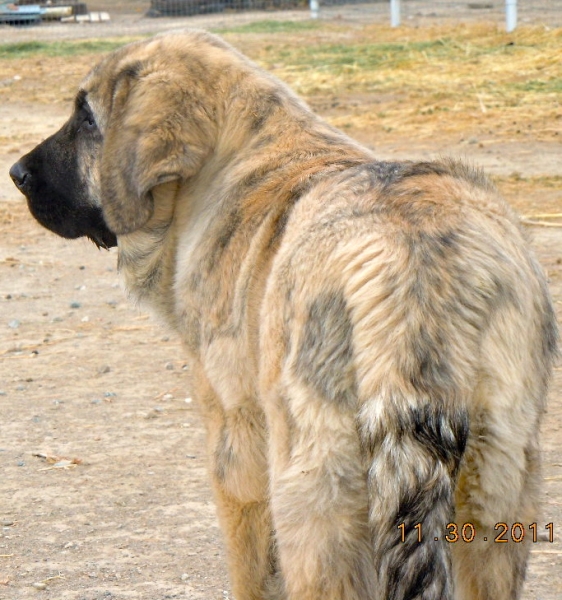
(146, 257)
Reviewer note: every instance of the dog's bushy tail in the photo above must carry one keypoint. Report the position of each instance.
(413, 447)
(415, 344)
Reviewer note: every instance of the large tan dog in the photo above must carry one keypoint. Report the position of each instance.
(370, 342)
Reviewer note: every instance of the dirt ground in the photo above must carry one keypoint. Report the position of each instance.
(103, 487)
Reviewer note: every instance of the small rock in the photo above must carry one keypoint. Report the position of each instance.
(40, 585)
(7, 523)
(75, 305)
(104, 369)
(169, 366)
(14, 324)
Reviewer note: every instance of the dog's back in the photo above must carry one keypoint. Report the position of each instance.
(407, 343)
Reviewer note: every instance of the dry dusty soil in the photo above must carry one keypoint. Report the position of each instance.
(103, 486)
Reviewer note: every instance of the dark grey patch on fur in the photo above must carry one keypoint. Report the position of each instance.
(439, 432)
(431, 371)
(224, 455)
(549, 330)
(385, 172)
(194, 281)
(190, 324)
(281, 224)
(283, 218)
(424, 577)
(225, 236)
(452, 168)
(443, 435)
(151, 279)
(131, 71)
(418, 169)
(134, 257)
(325, 354)
(261, 142)
(268, 105)
(251, 181)
(472, 175)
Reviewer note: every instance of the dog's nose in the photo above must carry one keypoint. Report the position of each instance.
(20, 175)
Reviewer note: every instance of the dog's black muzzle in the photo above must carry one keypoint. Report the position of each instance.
(49, 179)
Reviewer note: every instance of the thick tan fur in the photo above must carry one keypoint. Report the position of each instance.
(370, 342)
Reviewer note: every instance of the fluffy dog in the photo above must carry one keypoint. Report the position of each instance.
(370, 342)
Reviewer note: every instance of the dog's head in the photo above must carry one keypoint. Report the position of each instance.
(142, 117)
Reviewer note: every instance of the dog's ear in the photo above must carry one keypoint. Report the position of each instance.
(152, 136)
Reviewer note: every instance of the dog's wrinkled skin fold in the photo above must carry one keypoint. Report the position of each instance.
(371, 342)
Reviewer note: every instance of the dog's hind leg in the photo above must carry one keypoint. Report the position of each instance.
(236, 440)
(319, 500)
(318, 486)
(497, 494)
(496, 506)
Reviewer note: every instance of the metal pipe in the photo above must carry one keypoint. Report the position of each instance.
(314, 8)
(394, 13)
(510, 15)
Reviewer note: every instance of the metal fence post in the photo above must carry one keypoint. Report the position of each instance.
(510, 15)
(314, 7)
(394, 13)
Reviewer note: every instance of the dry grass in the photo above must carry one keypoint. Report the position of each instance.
(414, 80)
(536, 198)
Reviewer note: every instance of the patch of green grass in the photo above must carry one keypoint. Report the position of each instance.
(63, 48)
(271, 27)
(543, 86)
(368, 56)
